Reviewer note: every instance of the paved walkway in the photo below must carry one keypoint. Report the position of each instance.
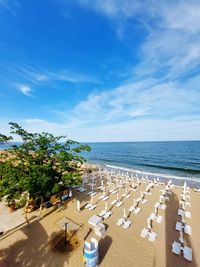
(9, 220)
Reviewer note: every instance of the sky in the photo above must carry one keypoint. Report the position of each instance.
(101, 70)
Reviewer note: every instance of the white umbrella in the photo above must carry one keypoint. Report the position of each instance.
(156, 210)
(106, 205)
(70, 193)
(148, 223)
(78, 205)
(181, 237)
(91, 199)
(124, 213)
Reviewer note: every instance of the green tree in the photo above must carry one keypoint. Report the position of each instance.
(42, 164)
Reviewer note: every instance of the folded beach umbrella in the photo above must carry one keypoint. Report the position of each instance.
(148, 223)
(78, 205)
(124, 213)
(181, 237)
(106, 205)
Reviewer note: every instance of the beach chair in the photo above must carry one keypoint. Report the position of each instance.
(163, 206)
(131, 209)
(176, 248)
(144, 232)
(92, 207)
(152, 236)
(93, 193)
(114, 202)
(144, 201)
(120, 221)
(107, 214)
(127, 224)
(105, 198)
(187, 214)
(159, 219)
(137, 210)
(119, 203)
(188, 229)
(187, 253)
(88, 205)
(179, 226)
(102, 213)
(152, 216)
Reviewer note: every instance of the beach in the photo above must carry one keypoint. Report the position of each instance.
(29, 245)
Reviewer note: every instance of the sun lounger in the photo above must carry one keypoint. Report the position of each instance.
(107, 214)
(101, 197)
(93, 193)
(181, 212)
(187, 253)
(114, 192)
(105, 198)
(144, 232)
(159, 219)
(132, 208)
(123, 195)
(144, 201)
(137, 210)
(188, 229)
(152, 236)
(114, 202)
(92, 207)
(152, 216)
(176, 248)
(127, 224)
(120, 221)
(119, 203)
(88, 205)
(94, 220)
(102, 213)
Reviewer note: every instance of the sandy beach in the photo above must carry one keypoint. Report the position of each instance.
(30, 245)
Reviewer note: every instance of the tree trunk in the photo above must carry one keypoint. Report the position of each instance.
(41, 206)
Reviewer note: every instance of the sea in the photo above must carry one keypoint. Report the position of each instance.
(177, 160)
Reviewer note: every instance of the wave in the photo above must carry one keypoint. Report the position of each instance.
(154, 174)
(192, 171)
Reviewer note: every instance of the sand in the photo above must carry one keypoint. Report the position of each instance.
(29, 246)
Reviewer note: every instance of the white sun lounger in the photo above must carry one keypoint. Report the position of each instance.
(127, 196)
(127, 224)
(119, 203)
(176, 248)
(105, 198)
(163, 206)
(152, 216)
(132, 208)
(114, 202)
(144, 201)
(114, 192)
(137, 210)
(92, 207)
(144, 232)
(102, 213)
(93, 193)
(152, 236)
(186, 213)
(107, 214)
(120, 221)
(88, 205)
(187, 228)
(123, 195)
(159, 219)
(187, 253)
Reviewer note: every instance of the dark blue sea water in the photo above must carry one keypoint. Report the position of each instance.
(181, 159)
(164, 158)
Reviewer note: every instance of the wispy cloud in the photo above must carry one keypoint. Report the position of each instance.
(25, 89)
(10, 5)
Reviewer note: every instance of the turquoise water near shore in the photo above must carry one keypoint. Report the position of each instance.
(177, 158)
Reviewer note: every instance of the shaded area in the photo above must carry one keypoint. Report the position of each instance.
(104, 245)
(171, 217)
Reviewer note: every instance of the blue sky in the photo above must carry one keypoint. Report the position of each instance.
(101, 70)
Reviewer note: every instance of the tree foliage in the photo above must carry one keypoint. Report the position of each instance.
(40, 165)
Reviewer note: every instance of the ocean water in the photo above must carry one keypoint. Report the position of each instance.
(172, 159)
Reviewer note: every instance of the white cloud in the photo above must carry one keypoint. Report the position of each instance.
(25, 89)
